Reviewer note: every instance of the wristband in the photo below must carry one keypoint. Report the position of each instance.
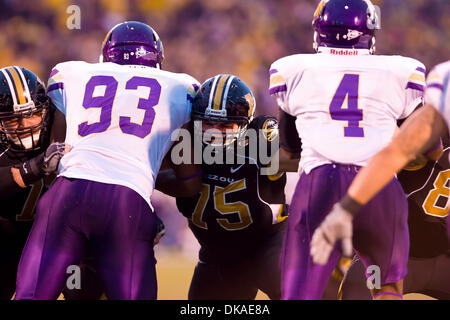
(350, 205)
(29, 170)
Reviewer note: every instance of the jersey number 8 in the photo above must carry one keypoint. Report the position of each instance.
(441, 189)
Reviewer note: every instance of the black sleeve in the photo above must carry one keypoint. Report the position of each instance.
(289, 139)
(58, 125)
(8, 187)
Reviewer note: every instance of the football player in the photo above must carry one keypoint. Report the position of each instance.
(25, 160)
(239, 216)
(119, 116)
(427, 193)
(344, 102)
(418, 134)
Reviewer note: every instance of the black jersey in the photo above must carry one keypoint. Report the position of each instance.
(18, 203)
(427, 190)
(238, 207)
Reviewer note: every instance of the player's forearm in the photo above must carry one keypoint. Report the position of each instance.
(380, 170)
(436, 152)
(417, 135)
(17, 177)
(168, 183)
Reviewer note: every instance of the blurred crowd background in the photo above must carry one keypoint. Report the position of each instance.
(204, 38)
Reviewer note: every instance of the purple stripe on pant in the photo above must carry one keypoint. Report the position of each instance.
(380, 231)
(114, 221)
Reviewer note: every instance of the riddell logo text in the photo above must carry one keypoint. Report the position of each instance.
(344, 52)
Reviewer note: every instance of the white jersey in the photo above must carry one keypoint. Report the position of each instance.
(120, 119)
(437, 92)
(346, 102)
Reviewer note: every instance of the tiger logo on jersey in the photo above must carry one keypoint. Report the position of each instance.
(270, 129)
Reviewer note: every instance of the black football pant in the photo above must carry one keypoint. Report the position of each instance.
(239, 277)
(12, 240)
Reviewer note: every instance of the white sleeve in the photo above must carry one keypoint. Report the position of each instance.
(55, 89)
(192, 88)
(437, 91)
(278, 88)
(414, 90)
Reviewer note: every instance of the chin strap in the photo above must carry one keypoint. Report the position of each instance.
(388, 293)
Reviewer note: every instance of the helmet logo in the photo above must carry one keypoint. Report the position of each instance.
(352, 34)
(141, 52)
(251, 103)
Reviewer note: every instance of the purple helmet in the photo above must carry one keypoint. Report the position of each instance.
(133, 42)
(345, 24)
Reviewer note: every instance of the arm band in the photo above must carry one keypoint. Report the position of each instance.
(29, 170)
(350, 205)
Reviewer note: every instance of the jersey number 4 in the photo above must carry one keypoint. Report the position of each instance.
(222, 206)
(106, 101)
(347, 94)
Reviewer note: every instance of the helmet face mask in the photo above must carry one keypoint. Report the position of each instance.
(24, 137)
(133, 43)
(225, 106)
(348, 24)
(218, 132)
(24, 110)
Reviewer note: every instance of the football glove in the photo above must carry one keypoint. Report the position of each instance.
(336, 226)
(44, 164)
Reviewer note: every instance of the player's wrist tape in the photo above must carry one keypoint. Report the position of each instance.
(191, 177)
(350, 205)
(31, 170)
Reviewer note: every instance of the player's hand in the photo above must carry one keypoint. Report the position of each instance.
(336, 226)
(44, 164)
(52, 156)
